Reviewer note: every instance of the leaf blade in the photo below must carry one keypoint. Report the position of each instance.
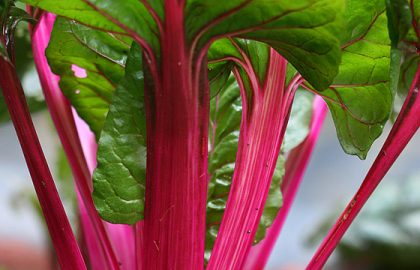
(119, 180)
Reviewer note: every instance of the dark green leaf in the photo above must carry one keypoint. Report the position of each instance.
(119, 179)
(304, 32)
(399, 20)
(405, 41)
(399, 23)
(3, 51)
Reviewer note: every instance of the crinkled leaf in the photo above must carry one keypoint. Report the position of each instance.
(304, 32)
(99, 55)
(119, 180)
(360, 99)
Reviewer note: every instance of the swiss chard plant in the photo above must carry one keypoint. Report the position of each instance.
(203, 116)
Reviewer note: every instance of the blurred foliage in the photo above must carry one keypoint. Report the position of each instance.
(63, 178)
(386, 234)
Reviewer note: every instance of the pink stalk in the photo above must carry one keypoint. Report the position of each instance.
(123, 239)
(297, 161)
(122, 236)
(405, 127)
(97, 259)
(177, 136)
(61, 114)
(261, 135)
(67, 250)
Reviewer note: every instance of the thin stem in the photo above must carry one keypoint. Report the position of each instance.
(68, 252)
(405, 127)
(297, 161)
(61, 114)
(261, 134)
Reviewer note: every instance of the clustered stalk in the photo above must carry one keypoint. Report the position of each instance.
(406, 125)
(177, 111)
(68, 253)
(296, 164)
(177, 130)
(62, 117)
(264, 121)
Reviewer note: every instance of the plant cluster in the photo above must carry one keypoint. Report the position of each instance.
(204, 116)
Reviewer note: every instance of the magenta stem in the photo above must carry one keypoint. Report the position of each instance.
(67, 250)
(177, 137)
(405, 127)
(296, 164)
(62, 117)
(261, 134)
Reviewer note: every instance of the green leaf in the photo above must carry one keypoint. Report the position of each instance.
(405, 40)
(304, 32)
(408, 67)
(218, 75)
(404, 53)
(299, 122)
(399, 23)
(259, 56)
(399, 20)
(3, 51)
(115, 16)
(119, 180)
(360, 98)
(102, 57)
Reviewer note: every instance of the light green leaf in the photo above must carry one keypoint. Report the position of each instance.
(360, 99)
(299, 122)
(129, 17)
(101, 56)
(119, 180)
